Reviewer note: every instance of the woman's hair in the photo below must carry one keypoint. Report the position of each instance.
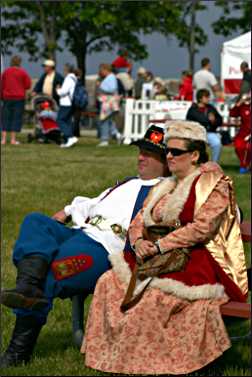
(78, 72)
(15, 61)
(106, 66)
(202, 93)
(69, 67)
(200, 146)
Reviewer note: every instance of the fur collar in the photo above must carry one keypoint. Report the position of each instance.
(176, 200)
(167, 285)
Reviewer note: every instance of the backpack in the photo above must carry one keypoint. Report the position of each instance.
(80, 96)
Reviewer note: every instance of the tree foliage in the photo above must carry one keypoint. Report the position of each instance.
(84, 26)
(229, 23)
(188, 31)
(43, 27)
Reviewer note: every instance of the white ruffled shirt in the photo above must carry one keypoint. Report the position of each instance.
(117, 207)
(66, 91)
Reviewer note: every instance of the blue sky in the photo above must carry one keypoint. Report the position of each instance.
(166, 58)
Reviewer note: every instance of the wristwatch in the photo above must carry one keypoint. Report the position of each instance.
(156, 243)
(138, 239)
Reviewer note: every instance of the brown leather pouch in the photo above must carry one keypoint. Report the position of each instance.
(172, 261)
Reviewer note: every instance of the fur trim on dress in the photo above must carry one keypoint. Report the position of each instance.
(175, 201)
(167, 285)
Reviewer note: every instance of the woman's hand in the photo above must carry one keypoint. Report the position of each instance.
(211, 117)
(145, 248)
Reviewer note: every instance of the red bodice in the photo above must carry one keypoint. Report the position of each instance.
(201, 267)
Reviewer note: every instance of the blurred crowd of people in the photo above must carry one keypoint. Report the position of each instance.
(59, 117)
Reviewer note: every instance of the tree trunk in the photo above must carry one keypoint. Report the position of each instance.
(191, 46)
(48, 29)
(80, 56)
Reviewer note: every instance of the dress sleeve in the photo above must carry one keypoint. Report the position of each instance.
(205, 224)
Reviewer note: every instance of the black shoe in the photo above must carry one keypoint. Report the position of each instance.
(14, 299)
(24, 337)
(28, 294)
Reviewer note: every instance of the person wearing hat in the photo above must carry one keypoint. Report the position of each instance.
(54, 260)
(49, 80)
(121, 63)
(188, 226)
(160, 90)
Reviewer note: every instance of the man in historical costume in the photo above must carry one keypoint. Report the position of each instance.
(54, 260)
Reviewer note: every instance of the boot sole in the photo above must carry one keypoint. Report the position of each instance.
(16, 300)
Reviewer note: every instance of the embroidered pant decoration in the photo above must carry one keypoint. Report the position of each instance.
(76, 260)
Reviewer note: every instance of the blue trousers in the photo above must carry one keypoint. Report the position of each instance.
(12, 115)
(107, 128)
(53, 241)
(65, 122)
(214, 141)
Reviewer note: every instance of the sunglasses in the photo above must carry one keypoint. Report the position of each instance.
(176, 152)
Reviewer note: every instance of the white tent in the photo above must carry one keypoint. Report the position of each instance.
(2, 63)
(233, 53)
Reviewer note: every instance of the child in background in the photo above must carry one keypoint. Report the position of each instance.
(47, 111)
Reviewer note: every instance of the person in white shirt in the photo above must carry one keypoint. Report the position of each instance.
(205, 79)
(66, 109)
(54, 260)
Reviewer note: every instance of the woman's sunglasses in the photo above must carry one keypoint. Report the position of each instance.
(176, 152)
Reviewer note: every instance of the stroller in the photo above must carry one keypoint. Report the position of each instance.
(46, 128)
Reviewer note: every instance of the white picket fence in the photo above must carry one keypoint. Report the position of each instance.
(139, 114)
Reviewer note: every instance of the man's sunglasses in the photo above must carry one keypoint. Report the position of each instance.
(176, 152)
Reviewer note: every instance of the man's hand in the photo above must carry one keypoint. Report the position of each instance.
(145, 248)
(33, 94)
(60, 216)
(211, 117)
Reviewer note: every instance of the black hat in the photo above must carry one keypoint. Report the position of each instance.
(153, 141)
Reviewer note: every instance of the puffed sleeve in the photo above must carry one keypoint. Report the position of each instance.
(205, 224)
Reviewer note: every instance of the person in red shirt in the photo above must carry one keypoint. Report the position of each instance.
(185, 88)
(242, 141)
(14, 83)
(121, 64)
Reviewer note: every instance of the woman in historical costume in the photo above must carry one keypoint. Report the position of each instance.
(176, 327)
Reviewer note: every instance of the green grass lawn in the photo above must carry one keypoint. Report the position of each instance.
(44, 178)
